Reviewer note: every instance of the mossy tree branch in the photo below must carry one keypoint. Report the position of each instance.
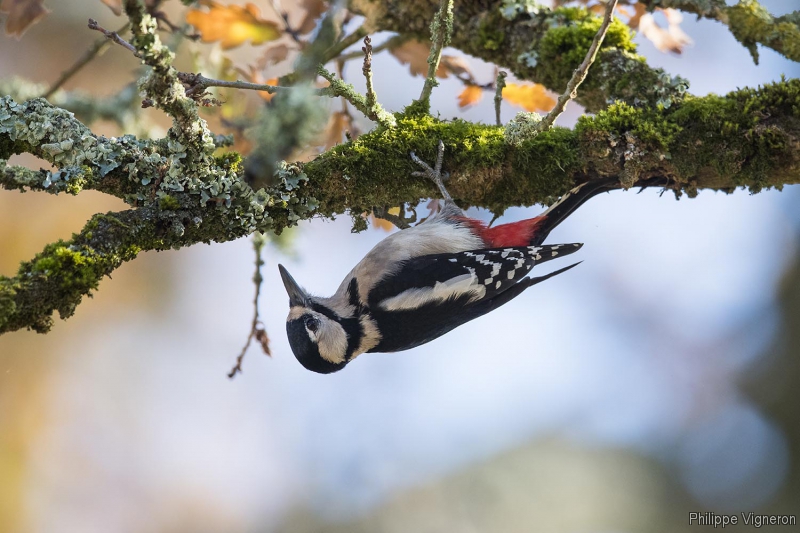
(748, 138)
(750, 23)
(181, 194)
(538, 44)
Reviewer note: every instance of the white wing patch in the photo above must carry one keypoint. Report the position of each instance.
(456, 287)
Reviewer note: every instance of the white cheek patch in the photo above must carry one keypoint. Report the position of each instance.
(466, 284)
(331, 340)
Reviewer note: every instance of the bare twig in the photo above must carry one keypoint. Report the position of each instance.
(114, 36)
(441, 28)
(399, 221)
(499, 84)
(345, 42)
(392, 42)
(580, 73)
(374, 112)
(97, 48)
(196, 84)
(257, 330)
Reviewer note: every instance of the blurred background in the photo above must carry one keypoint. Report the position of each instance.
(658, 379)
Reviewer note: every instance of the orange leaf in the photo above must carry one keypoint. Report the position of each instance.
(313, 9)
(114, 5)
(530, 97)
(274, 55)
(337, 125)
(471, 95)
(382, 223)
(415, 55)
(456, 65)
(673, 39)
(21, 14)
(232, 25)
(639, 11)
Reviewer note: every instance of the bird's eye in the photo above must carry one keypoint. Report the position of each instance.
(312, 324)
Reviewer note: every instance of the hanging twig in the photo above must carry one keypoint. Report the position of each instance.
(257, 330)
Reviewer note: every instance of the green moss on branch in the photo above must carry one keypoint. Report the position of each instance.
(540, 45)
(748, 138)
(750, 23)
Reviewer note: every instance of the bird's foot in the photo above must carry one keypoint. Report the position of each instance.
(435, 173)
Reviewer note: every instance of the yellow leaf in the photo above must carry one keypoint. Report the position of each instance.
(382, 223)
(471, 95)
(21, 14)
(530, 97)
(232, 25)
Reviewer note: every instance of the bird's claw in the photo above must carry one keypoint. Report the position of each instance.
(435, 173)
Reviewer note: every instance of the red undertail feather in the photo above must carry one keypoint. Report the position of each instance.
(519, 233)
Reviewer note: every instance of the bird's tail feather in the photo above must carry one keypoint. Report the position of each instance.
(539, 279)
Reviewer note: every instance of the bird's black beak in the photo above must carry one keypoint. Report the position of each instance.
(297, 295)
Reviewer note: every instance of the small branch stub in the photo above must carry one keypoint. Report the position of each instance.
(113, 36)
(372, 98)
(499, 85)
(441, 29)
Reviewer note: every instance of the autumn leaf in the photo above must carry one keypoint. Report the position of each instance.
(274, 55)
(415, 55)
(232, 25)
(114, 5)
(673, 39)
(529, 96)
(639, 12)
(21, 14)
(337, 125)
(263, 339)
(312, 9)
(382, 223)
(471, 95)
(457, 66)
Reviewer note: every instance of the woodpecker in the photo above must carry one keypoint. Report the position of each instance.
(420, 283)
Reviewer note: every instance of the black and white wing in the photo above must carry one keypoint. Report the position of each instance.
(430, 295)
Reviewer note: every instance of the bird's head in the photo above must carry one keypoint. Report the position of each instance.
(315, 333)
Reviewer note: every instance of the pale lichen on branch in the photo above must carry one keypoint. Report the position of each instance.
(180, 193)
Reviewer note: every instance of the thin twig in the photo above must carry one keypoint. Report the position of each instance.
(114, 36)
(441, 28)
(196, 84)
(499, 85)
(392, 42)
(97, 48)
(257, 330)
(580, 73)
(345, 43)
(372, 98)
(338, 87)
